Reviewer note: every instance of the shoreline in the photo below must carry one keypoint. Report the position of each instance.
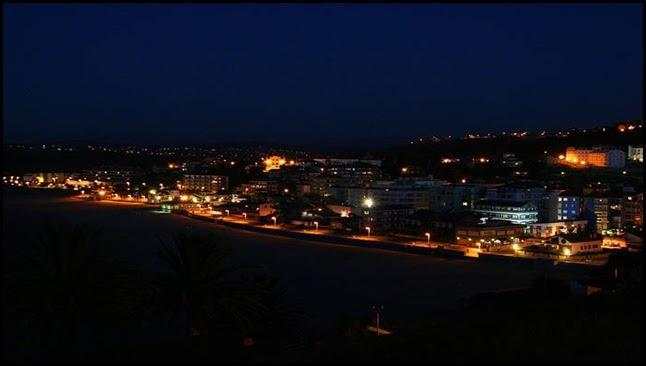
(437, 251)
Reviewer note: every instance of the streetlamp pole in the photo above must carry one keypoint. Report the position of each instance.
(377, 310)
(428, 238)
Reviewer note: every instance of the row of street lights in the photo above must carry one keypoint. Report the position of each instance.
(273, 218)
(368, 203)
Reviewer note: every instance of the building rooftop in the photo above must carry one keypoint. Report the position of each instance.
(578, 237)
(487, 224)
(501, 203)
(570, 193)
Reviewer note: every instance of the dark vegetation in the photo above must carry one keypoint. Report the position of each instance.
(546, 323)
(64, 294)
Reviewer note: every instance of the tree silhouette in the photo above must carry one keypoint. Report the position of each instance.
(63, 280)
(199, 284)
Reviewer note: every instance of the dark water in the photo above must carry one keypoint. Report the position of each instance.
(328, 280)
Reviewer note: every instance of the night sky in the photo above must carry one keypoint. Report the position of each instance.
(321, 74)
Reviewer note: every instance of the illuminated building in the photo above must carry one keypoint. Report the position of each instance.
(597, 210)
(596, 157)
(205, 182)
(633, 209)
(544, 200)
(350, 168)
(487, 233)
(510, 161)
(110, 174)
(636, 153)
(303, 188)
(515, 212)
(255, 187)
(274, 162)
(46, 177)
(454, 197)
(413, 193)
(570, 244)
(549, 229)
(323, 185)
(569, 207)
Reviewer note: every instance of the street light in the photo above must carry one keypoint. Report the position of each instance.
(274, 218)
(368, 202)
(244, 214)
(227, 211)
(316, 223)
(428, 238)
(378, 310)
(368, 228)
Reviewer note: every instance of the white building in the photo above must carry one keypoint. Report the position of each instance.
(522, 212)
(574, 244)
(414, 193)
(549, 229)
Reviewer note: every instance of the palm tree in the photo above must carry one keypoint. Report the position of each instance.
(281, 325)
(202, 286)
(64, 280)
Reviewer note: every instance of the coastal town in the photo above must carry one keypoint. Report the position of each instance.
(341, 183)
(556, 216)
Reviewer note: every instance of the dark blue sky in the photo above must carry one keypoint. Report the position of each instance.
(317, 73)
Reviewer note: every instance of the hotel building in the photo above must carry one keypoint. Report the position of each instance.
(205, 182)
(596, 157)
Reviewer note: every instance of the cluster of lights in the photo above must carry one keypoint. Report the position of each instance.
(449, 160)
(624, 128)
(14, 181)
